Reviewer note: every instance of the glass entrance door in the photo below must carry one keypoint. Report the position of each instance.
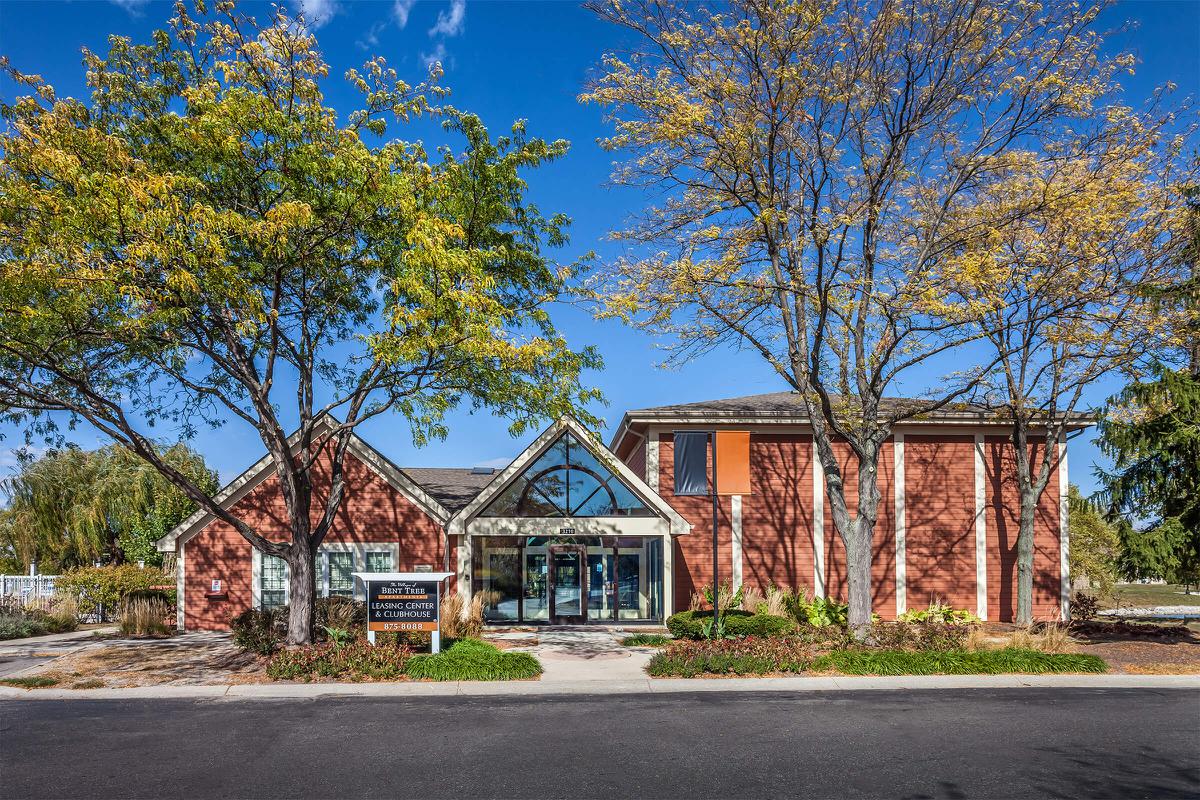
(566, 584)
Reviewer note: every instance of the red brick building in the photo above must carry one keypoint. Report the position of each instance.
(573, 531)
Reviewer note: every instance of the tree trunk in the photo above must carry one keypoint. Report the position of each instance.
(301, 591)
(857, 534)
(1029, 499)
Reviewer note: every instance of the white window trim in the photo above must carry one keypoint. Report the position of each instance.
(359, 549)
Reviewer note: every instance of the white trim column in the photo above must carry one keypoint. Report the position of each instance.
(255, 577)
(981, 588)
(1064, 530)
(668, 576)
(901, 558)
(735, 517)
(179, 592)
(652, 460)
(464, 567)
(818, 523)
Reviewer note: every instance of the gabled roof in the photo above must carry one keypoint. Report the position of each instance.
(457, 523)
(245, 483)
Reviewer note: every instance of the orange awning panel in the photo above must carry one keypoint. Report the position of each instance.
(733, 462)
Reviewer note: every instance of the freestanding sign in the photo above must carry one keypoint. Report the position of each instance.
(402, 602)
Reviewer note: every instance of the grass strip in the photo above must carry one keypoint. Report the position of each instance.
(1005, 661)
(646, 640)
(473, 660)
(31, 682)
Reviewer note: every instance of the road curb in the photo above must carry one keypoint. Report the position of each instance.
(281, 691)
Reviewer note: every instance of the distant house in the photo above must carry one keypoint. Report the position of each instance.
(576, 532)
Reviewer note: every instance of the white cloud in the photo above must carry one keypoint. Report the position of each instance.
(133, 7)
(450, 23)
(438, 55)
(317, 12)
(401, 10)
(371, 37)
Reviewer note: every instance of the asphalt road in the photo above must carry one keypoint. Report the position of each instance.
(1123, 743)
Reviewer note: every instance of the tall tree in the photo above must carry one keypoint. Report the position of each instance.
(71, 507)
(204, 239)
(1151, 431)
(1067, 281)
(809, 156)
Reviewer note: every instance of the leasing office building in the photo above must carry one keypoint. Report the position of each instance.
(576, 532)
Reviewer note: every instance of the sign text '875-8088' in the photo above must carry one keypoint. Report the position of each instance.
(395, 606)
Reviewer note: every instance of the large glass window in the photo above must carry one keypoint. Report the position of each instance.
(501, 582)
(273, 582)
(567, 480)
(537, 585)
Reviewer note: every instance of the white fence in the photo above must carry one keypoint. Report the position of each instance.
(27, 587)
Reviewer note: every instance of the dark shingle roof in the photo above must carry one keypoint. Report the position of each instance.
(451, 486)
(789, 404)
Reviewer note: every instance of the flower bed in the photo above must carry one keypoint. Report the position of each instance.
(463, 660)
(753, 655)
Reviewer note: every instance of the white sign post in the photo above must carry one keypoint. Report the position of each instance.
(403, 602)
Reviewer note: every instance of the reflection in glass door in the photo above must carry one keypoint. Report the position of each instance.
(566, 589)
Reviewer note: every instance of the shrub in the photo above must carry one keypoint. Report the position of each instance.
(260, 630)
(1084, 606)
(344, 613)
(1008, 660)
(920, 635)
(646, 640)
(752, 655)
(473, 660)
(822, 611)
(939, 612)
(100, 590)
(461, 620)
(145, 616)
(353, 661)
(697, 624)
(19, 622)
(1049, 638)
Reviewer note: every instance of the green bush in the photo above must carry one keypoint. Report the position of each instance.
(1008, 660)
(18, 622)
(260, 630)
(353, 661)
(821, 612)
(749, 656)
(695, 624)
(473, 660)
(100, 590)
(937, 612)
(646, 640)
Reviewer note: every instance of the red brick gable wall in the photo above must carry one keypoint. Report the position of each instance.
(371, 511)
(939, 525)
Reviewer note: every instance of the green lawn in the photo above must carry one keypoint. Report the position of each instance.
(1136, 594)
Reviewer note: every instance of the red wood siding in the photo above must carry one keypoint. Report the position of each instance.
(1003, 525)
(371, 511)
(939, 517)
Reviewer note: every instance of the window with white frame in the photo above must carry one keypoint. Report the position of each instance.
(340, 578)
(273, 581)
(379, 561)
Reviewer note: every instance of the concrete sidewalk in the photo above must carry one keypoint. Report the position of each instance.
(643, 686)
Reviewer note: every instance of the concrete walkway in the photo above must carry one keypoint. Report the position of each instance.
(643, 686)
(587, 655)
(20, 655)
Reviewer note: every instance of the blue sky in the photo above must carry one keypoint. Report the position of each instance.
(506, 61)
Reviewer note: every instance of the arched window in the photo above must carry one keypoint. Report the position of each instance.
(567, 480)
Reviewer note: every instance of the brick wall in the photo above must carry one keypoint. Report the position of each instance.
(371, 511)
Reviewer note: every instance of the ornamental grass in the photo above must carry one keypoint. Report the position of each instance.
(473, 660)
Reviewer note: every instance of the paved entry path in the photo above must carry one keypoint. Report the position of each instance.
(587, 655)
